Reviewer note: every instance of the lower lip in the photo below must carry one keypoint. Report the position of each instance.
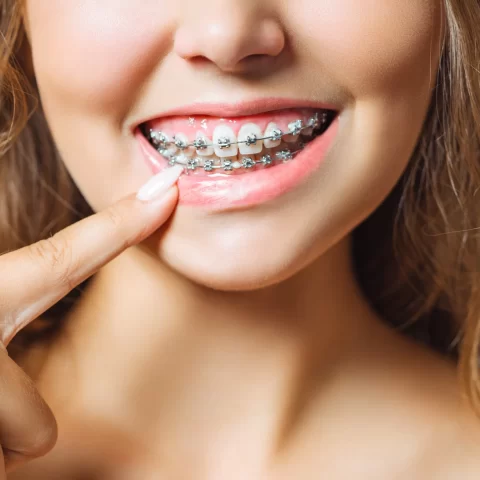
(222, 191)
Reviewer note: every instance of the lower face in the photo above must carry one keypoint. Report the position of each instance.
(293, 120)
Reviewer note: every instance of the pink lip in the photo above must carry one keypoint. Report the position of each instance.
(226, 192)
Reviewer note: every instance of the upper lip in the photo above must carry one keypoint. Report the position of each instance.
(238, 109)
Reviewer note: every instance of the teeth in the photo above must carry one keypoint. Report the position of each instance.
(158, 138)
(201, 142)
(313, 122)
(223, 139)
(294, 128)
(162, 140)
(226, 153)
(248, 162)
(272, 131)
(181, 142)
(208, 165)
(182, 158)
(266, 160)
(250, 133)
(227, 165)
(193, 163)
(284, 154)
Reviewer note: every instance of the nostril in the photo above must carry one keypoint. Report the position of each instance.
(199, 61)
(256, 64)
(233, 41)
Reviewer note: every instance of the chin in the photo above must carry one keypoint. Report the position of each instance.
(231, 260)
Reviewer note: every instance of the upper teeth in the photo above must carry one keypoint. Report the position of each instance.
(182, 143)
(224, 142)
(250, 139)
(204, 149)
(295, 127)
(313, 122)
(274, 136)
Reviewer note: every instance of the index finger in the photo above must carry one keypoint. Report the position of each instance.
(34, 278)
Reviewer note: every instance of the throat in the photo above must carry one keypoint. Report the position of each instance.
(195, 373)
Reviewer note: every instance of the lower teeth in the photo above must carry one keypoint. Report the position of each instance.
(230, 164)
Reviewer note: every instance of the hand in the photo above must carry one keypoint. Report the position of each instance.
(35, 277)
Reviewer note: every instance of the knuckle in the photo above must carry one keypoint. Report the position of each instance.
(50, 251)
(114, 216)
(55, 254)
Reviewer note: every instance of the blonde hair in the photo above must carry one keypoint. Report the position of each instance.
(416, 256)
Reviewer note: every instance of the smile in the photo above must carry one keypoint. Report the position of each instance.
(259, 151)
(237, 145)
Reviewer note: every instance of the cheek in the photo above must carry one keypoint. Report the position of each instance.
(93, 53)
(371, 45)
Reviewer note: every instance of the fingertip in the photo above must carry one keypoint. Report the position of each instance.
(158, 185)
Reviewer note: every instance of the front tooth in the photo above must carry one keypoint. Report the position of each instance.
(224, 141)
(272, 131)
(201, 140)
(250, 133)
(181, 142)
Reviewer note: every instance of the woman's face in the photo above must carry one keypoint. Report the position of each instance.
(183, 67)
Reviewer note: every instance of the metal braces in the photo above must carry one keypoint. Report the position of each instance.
(228, 164)
(162, 142)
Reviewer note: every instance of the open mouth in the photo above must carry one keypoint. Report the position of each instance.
(206, 145)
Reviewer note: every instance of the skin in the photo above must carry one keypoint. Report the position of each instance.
(266, 363)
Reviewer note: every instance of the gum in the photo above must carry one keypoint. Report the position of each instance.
(191, 125)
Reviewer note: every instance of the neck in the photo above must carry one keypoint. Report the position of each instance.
(220, 369)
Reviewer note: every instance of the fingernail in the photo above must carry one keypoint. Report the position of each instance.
(160, 183)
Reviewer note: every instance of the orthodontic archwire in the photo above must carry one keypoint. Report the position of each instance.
(161, 141)
(230, 165)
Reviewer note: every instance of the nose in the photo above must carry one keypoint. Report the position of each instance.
(235, 35)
